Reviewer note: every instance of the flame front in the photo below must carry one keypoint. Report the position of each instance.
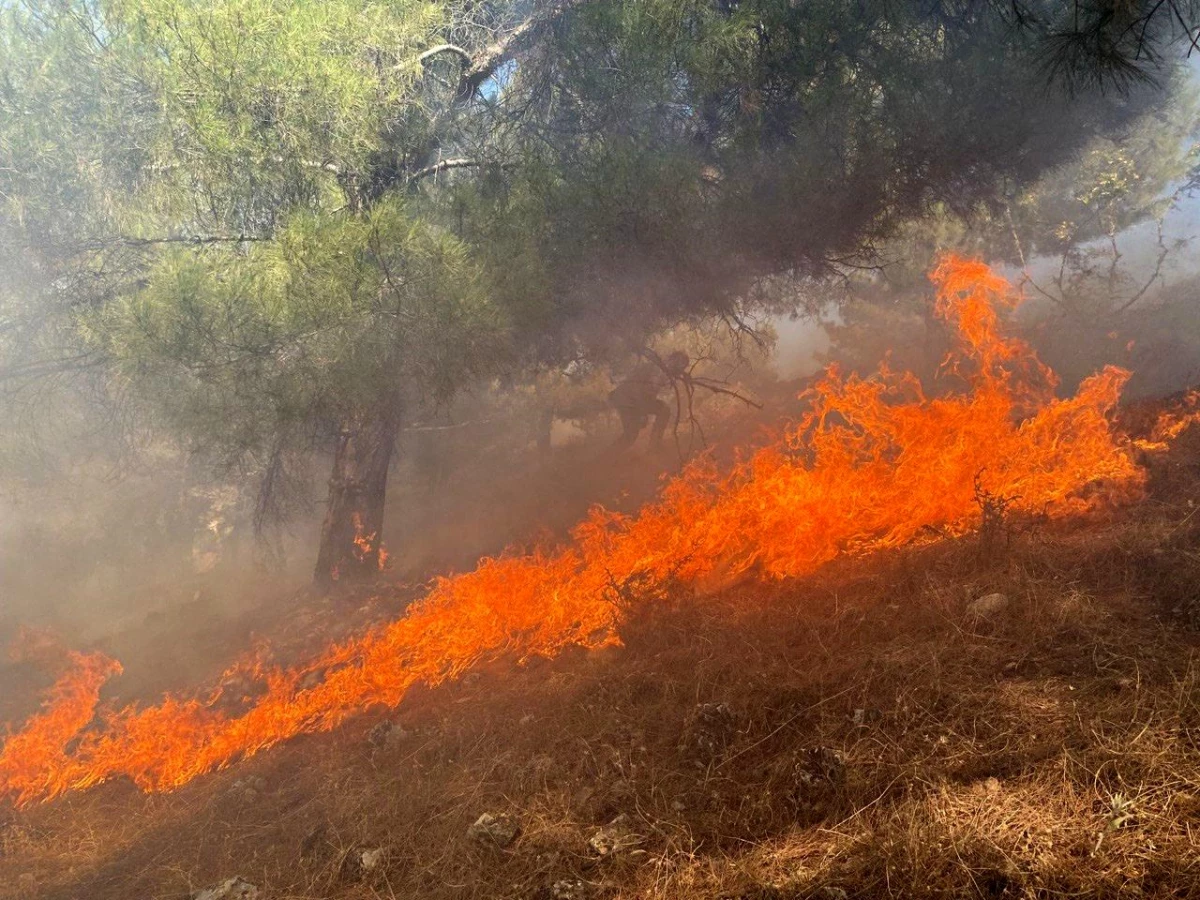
(1171, 423)
(873, 464)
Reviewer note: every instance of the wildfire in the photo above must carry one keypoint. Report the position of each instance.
(364, 544)
(874, 463)
(1172, 423)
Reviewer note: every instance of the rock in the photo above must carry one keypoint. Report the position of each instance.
(494, 831)
(864, 718)
(314, 842)
(987, 607)
(988, 786)
(709, 729)
(614, 838)
(372, 859)
(248, 789)
(621, 789)
(236, 888)
(821, 766)
(818, 776)
(388, 735)
(361, 862)
(568, 890)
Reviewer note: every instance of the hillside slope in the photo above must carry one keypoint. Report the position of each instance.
(871, 731)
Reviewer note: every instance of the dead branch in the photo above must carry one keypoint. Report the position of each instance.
(1154, 275)
(444, 48)
(485, 64)
(445, 165)
(715, 388)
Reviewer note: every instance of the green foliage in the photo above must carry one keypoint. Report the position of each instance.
(337, 317)
(267, 218)
(141, 117)
(671, 154)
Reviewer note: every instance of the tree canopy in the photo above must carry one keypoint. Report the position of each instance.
(286, 225)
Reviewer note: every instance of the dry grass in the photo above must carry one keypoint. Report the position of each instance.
(875, 740)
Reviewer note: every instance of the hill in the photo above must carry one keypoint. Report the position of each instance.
(875, 729)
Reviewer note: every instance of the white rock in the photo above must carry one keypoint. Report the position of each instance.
(372, 859)
(236, 888)
(496, 831)
(614, 837)
(388, 735)
(568, 890)
(987, 606)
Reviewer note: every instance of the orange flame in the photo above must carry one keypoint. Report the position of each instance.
(1172, 423)
(363, 545)
(873, 464)
(69, 706)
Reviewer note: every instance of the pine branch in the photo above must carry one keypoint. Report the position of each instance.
(444, 165)
(194, 240)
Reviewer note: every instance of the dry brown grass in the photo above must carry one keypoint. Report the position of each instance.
(1051, 751)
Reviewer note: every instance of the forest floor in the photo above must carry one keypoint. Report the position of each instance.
(872, 731)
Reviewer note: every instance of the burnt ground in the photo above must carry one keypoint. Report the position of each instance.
(860, 733)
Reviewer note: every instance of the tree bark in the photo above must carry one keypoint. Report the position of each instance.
(352, 533)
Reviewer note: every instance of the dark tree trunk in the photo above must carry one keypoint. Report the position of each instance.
(352, 533)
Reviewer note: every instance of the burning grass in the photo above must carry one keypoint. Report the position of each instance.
(873, 465)
(856, 729)
(1046, 750)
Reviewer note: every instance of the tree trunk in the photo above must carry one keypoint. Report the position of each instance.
(352, 533)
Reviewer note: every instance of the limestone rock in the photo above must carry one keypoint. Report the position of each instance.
(387, 735)
(236, 888)
(615, 837)
(709, 730)
(568, 890)
(987, 607)
(497, 831)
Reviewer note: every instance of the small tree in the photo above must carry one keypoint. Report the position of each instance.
(278, 217)
(324, 338)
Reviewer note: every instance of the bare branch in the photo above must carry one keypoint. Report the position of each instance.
(1154, 275)
(484, 65)
(717, 389)
(444, 48)
(444, 165)
(194, 240)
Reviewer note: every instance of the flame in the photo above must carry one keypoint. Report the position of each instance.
(363, 545)
(874, 463)
(69, 706)
(1172, 423)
